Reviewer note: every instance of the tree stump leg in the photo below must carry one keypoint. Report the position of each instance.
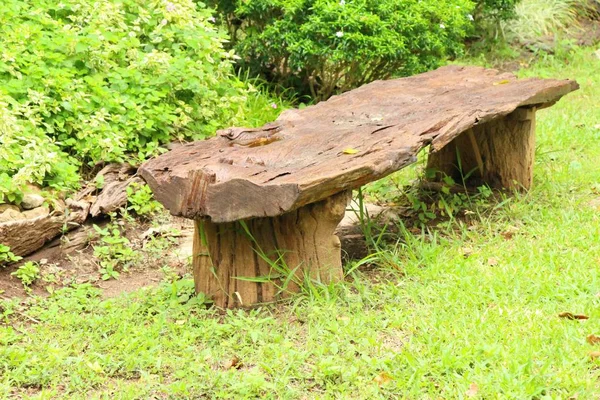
(263, 259)
(499, 153)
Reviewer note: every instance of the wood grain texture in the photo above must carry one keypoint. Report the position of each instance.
(28, 235)
(499, 153)
(113, 195)
(225, 254)
(299, 159)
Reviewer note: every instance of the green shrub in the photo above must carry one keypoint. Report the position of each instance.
(320, 47)
(102, 79)
(27, 155)
(496, 10)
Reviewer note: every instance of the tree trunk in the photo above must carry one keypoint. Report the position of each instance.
(261, 260)
(499, 153)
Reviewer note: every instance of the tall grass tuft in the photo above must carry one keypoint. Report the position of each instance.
(538, 18)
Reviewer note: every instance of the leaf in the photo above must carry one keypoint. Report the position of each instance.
(233, 363)
(492, 261)
(350, 150)
(592, 339)
(595, 354)
(383, 378)
(473, 390)
(510, 232)
(572, 316)
(467, 251)
(502, 82)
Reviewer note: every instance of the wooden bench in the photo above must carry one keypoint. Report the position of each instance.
(280, 191)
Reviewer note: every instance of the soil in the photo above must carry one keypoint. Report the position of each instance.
(59, 269)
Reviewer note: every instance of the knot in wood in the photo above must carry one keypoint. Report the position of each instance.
(251, 137)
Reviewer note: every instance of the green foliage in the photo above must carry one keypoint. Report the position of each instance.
(537, 18)
(320, 47)
(27, 273)
(496, 10)
(141, 200)
(6, 256)
(103, 80)
(27, 155)
(114, 251)
(489, 18)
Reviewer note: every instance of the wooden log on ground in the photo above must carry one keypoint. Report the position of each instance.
(116, 178)
(34, 228)
(307, 156)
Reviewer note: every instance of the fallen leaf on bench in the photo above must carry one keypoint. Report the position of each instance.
(502, 82)
(592, 339)
(473, 390)
(350, 150)
(383, 378)
(572, 316)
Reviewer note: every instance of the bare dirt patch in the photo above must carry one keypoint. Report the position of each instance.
(59, 269)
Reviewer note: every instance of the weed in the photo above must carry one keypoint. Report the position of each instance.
(28, 273)
(141, 200)
(114, 252)
(6, 256)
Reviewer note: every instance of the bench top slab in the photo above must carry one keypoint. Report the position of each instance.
(360, 136)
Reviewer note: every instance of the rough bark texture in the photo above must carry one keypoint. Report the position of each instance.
(302, 241)
(24, 236)
(113, 195)
(499, 153)
(363, 135)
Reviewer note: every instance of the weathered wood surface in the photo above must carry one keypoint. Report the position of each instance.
(499, 153)
(113, 193)
(300, 243)
(300, 158)
(30, 230)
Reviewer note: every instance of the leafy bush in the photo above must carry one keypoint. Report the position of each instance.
(320, 47)
(27, 155)
(496, 10)
(101, 79)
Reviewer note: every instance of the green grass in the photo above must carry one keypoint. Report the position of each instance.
(428, 325)
(537, 18)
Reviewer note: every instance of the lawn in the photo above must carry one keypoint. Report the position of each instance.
(465, 309)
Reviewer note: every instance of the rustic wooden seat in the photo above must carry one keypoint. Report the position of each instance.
(278, 192)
